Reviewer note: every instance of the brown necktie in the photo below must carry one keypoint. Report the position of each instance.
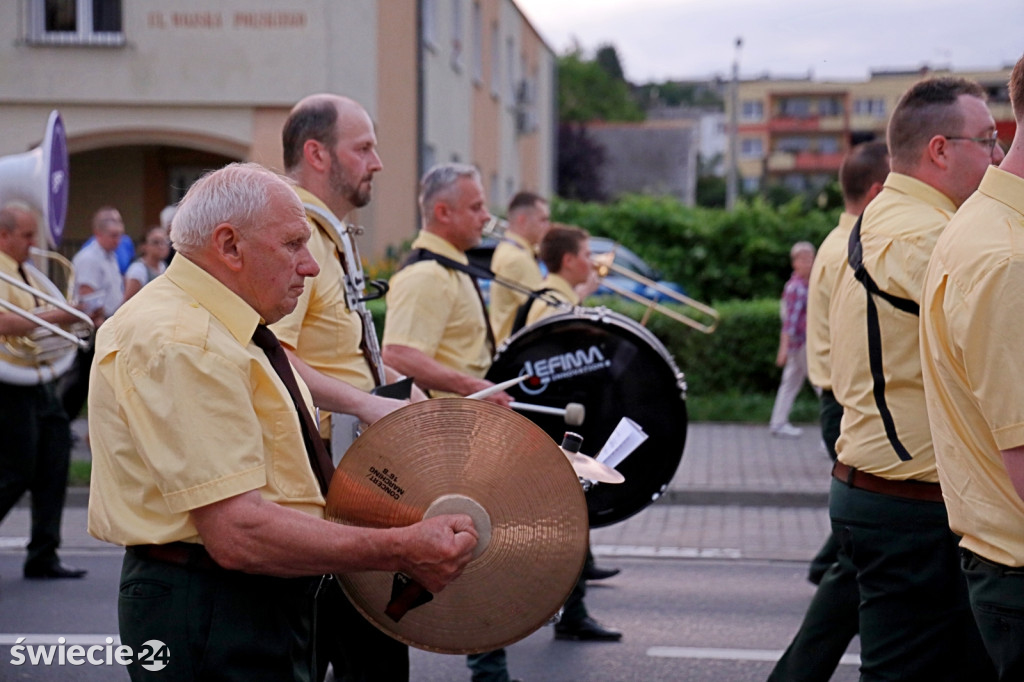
(319, 458)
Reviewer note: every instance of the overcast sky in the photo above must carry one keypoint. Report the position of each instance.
(669, 39)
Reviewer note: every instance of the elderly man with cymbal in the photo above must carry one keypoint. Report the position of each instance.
(207, 464)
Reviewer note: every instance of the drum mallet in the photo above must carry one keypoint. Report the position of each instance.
(498, 388)
(573, 413)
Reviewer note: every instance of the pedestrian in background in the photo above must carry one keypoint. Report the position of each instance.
(792, 357)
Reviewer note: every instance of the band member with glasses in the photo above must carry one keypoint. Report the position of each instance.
(971, 348)
(886, 505)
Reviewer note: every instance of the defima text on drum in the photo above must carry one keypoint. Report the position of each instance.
(564, 365)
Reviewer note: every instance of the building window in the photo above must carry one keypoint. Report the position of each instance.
(752, 110)
(793, 145)
(828, 145)
(457, 33)
(830, 107)
(75, 22)
(495, 61)
(429, 9)
(510, 67)
(478, 44)
(751, 185)
(751, 147)
(429, 157)
(795, 107)
(869, 107)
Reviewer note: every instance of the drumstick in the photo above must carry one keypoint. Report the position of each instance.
(498, 388)
(573, 413)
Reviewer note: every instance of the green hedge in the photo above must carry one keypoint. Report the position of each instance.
(737, 358)
(715, 255)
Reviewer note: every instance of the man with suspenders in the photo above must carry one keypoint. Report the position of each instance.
(886, 505)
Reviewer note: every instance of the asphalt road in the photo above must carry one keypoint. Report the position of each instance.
(695, 620)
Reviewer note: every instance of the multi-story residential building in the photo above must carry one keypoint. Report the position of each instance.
(796, 132)
(153, 94)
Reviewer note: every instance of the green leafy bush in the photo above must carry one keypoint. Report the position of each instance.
(716, 255)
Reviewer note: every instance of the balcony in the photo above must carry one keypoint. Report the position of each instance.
(804, 162)
(790, 124)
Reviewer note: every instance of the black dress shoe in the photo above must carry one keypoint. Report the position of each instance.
(592, 572)
(57, 570)
(586, 630)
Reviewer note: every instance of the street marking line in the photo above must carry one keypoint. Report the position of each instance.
(35, 639)
(13, 542)
(646, 551)
(767, 655)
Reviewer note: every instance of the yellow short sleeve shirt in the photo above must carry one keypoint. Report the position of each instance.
(322, 330)
(972, 342)
(829, 262)
(513, 260)
(898, 232)
(437, 311)
(561, 290)
(185, 411)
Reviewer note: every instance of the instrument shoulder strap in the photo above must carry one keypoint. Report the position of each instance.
(523, 311)
(355, 286)
(474, 271)
(855, 259)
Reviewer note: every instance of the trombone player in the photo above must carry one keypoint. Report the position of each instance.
(36, 430)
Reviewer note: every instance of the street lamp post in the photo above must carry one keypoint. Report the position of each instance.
(731, 179)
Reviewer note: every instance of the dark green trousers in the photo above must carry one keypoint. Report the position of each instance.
(490, 666)
(915, 619)
(217, 625)
(997, 599)
(355, 647)
(34, 457)
(830, 623)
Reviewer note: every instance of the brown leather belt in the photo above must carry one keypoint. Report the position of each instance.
(911, 490)
(187, 554)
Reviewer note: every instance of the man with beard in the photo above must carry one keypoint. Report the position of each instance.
(330, 151)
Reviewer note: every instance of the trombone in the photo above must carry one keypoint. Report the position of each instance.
(49, 350)
(604, 265)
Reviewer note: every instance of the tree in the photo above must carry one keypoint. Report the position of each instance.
(579, 164)
(588, 92)
(608, 59)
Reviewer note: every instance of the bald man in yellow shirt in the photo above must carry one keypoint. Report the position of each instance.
(971, 351)
(885, 502)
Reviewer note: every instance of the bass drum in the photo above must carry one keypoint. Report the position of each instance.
(615, 368)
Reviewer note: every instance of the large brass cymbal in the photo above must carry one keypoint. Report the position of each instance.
(454, 454)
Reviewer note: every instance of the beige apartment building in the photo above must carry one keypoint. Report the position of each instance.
(153, 94)
(796, 132)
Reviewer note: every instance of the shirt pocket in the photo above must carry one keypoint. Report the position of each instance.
(291, 475)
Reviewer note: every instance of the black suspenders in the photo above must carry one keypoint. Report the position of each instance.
(856, 261)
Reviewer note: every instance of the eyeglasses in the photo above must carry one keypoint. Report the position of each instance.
(989, 141)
